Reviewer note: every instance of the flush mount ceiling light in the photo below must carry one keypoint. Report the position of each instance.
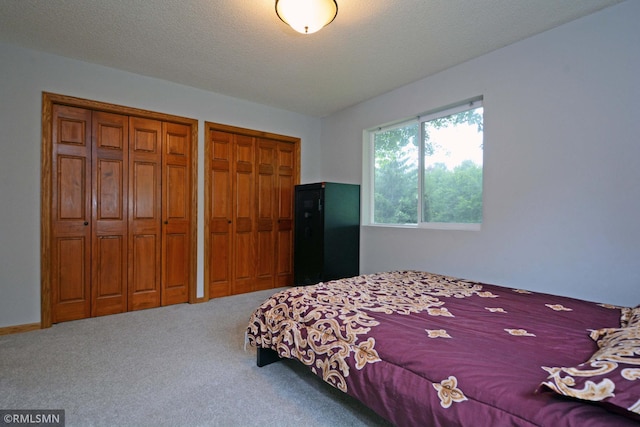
(306, 16)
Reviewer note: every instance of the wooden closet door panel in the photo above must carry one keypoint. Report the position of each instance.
(249, 209)
(285, 189)
(219, 151)
(266, 214)
(71, 214)
(145, 210)
(176, 213)
(110, 136)
(243, 215)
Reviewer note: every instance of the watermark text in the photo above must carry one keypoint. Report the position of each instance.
(32, 417)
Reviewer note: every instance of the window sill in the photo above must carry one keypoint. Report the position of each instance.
(431, 226)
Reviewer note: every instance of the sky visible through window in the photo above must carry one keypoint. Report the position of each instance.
(445, 185)
(455, 144)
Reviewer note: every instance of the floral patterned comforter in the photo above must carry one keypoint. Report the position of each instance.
(428, 350)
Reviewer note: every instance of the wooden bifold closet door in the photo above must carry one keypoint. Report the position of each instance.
(145, 222)
(120, 213)
(249, 187)
(159, 214)
(89, 223)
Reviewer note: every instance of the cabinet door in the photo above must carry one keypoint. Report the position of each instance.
(176, 200)
(110, 216)
(71, 214)
(309, 243)
(243, 235)
(285, 187)
(220, 212)
(145, 245)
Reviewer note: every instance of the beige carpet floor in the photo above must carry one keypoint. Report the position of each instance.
(182, 365)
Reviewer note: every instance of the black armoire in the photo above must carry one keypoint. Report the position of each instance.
(327, 232)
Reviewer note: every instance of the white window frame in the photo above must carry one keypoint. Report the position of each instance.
(369, 168)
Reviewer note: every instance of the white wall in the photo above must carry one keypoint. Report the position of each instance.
(24, 75)
(562, 146)
(562, 189)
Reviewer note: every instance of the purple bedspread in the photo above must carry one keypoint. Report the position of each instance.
(429, 350)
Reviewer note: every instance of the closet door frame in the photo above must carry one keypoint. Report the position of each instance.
(210, 126)
(46, 191)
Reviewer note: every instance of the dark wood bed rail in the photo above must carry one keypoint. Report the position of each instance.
(266, 356)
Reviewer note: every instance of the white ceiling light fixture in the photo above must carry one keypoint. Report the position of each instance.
(307, 16)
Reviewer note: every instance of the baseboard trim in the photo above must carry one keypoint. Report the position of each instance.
(19, 328)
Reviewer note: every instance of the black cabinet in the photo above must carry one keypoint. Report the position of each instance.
(327, 232)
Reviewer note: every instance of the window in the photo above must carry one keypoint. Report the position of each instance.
(428, 170)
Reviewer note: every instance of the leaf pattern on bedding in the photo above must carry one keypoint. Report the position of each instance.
(441, 311)
(631, 374)
(558, 307)
(519, 333)
(373, 337)
(324, 325)
(437, 333)
(448, 392)
(590, 391)
(610, 373)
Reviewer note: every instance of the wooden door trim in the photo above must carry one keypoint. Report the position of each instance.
(211, 126)
(48, 100)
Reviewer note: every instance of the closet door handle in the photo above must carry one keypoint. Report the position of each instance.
(86, 223)
(166, 222)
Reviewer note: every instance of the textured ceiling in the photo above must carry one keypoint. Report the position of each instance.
(240, 48)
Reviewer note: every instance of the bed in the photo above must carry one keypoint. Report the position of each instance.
(423, 349)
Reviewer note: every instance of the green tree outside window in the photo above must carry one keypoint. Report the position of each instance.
(450, 172)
